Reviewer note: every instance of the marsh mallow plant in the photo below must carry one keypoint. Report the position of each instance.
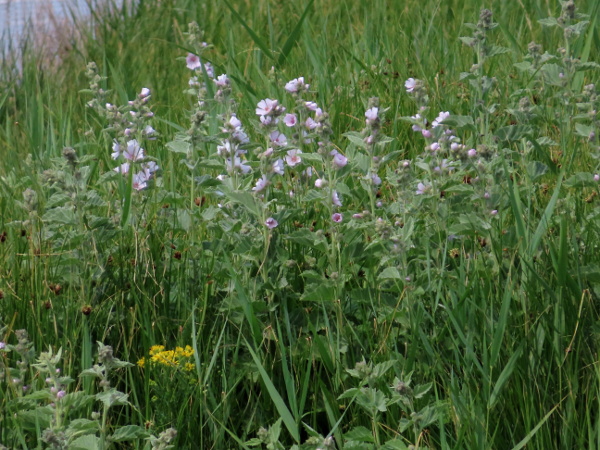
(336, 289)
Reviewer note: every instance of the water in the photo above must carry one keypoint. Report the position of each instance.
(16, 15)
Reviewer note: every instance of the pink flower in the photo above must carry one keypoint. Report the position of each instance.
(122, 169)
(144, 93)
(290, 120)
(297, 84)
(134, 152)
(421, 189)
(271, 223)
(278, 167)
(440, 118)
(140, 181)
(311, 124)
(320, 182)
(371, 115)
(596, 177)
(472, 153)
(410, 84)
(335, 199)
(278, 139)
(375, 179)
(337, 217)
(222, 81)
(339, 160)
(266, 107)
(116, 150)
(293, 157)
(193, 61)
(311, 105)
(261, 184)
(235, 122)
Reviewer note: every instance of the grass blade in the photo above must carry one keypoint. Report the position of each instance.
(294, 36)
(257, 40)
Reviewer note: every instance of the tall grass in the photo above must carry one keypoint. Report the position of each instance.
(464, 316)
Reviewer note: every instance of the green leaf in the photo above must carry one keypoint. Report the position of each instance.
(504, 376)
(458, 121)
(389, 273)
(360, 434)
(112, 397)
(128, 433)
(583, 130)
(548, 22)
(394, 444)
(63, 215)
(356, 139)
(580, 180)
(87, 442)
(512, 132)
(179, 147)
(422, 389)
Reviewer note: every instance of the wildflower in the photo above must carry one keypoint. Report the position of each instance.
(116, 150)
(357, 216)
(122, 169)
(134, 152)
(337, 217)
(335, 198)
(145, 93)
(193, 61)
(148, 130)
(296, 85)
(226, 149)
(434, 147)
(339, 160)
(421, 189)
(261, 184)
(222, 81)
(140, 181)
(278, 167)
(266, 107)
(236, 164)
(597, 177)
(234, 122)
(240, 136)
(472, 153)
(426, 134)
(293, 157)
(410, 84)
(290, 120)
(440, 118)
(60, 394)
(375, 179)
(311, 106)
(320, 182)
(493, 212)
(271, 223)
(278, 139)
(371, 115)
(310, 124)
(2, 345)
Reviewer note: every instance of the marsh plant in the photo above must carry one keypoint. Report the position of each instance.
(297, 254)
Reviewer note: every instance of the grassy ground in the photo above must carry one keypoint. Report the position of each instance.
(435, 288)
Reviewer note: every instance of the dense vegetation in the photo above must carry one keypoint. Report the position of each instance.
(307, 224)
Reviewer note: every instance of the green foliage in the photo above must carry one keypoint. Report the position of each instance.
(395, 266)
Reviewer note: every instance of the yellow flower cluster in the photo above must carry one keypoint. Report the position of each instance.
(172, 358)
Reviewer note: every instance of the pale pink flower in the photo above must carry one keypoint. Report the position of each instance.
(278, 139)
(375, 179)
(297, 84)
(271, 223)
(222, 81)
(311, 105)
(193, 61)
(290, 120)
(434, 147)
(278, 167)
(472, 153)
(494, 212)
(235, 122)
(144, 93)
(227, 148)
(261, 184)
(236, 164)
(266, 107)
(320, 182)
(410, 84)
(337, 217)
(116, 150)
(269, 120)
(311, 124)
(596, 177)
(426, 134)
(240, 136)
(134, 152)
(335, 198)
(339, 160)
(371, 114)
(440, 118)
(421, 189)
(293, 157)
(122, 169)
(140, 180)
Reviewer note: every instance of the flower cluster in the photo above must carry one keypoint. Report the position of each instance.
(178, 358)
